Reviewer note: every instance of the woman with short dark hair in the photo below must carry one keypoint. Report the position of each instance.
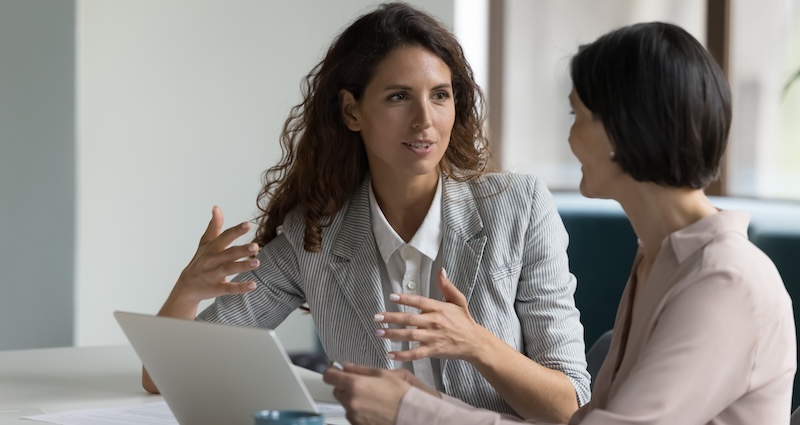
(705, 331)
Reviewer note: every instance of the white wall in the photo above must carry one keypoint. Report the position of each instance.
(180, 104)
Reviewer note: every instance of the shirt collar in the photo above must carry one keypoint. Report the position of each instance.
(687, 241)
(426, 240)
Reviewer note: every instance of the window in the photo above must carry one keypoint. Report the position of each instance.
(528, 85)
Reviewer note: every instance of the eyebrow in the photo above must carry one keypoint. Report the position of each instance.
(409, 88)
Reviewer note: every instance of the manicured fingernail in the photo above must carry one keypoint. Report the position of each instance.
(379, 332)
(394, 297)
(390, 356)
(246, 225)
(251, 285)
(378, 317)
(254, 262)
(253, 247)
(444, 273)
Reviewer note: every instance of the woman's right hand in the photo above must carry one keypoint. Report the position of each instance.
(206, 275)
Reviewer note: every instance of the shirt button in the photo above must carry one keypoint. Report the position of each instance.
(407, 252)
(411, 285)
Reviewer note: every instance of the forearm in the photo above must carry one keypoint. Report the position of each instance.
(418, 407)
(179, 306)
(532, 390)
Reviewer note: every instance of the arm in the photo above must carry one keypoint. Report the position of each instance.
(205, 276)
(446, 329)
(697, 361)
(419, 407)
(545, 305)
(380, 397)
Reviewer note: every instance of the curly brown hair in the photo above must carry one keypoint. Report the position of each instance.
(323, 161)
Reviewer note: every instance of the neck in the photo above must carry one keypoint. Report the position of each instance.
(405, 202)
(656, 211)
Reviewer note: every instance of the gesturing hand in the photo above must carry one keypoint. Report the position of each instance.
(205, 276)
(442, 329)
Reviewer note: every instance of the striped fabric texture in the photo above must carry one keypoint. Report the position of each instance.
(504, 246)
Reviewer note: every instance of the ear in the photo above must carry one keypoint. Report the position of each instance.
(351, 113)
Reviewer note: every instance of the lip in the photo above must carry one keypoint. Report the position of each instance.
(420, 147)
(425, 141)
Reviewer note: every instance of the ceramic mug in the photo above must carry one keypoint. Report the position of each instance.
(287, 417)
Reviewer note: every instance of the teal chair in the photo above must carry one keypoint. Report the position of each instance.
(601, 249)
(597, 354)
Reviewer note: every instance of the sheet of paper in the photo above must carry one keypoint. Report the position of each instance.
(141, 414)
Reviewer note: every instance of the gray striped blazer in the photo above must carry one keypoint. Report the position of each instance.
(504, 247)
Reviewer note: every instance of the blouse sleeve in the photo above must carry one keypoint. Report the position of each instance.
(419, 407)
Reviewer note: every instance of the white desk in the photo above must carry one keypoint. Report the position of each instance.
(60, 379)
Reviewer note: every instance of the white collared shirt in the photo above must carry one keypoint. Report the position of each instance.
(411, 268)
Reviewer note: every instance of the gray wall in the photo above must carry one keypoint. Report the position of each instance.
(37, 173)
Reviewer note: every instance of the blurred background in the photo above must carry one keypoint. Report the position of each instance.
(122, 122)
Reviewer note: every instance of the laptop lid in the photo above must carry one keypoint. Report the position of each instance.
(211, 374)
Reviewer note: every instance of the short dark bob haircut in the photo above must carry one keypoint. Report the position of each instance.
(662, 99)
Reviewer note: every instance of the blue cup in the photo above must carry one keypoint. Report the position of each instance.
(287, 417)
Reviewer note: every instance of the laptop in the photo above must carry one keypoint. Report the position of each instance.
(211, 374)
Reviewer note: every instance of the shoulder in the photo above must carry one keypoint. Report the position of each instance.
(741, 271)
(518, 189)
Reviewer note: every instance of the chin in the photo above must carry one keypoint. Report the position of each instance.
(583, 189)
(588, 192)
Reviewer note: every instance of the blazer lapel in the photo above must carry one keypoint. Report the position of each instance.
(462, 238)
(354, 266)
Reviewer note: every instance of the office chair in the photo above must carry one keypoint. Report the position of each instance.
(597, 354)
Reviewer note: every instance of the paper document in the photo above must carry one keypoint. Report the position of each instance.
(141, 414)
(157, 413)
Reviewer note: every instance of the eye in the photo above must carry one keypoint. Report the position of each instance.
(398, 97)
(442, 95)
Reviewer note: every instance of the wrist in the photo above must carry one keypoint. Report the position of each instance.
(485, 345)
(179, 305)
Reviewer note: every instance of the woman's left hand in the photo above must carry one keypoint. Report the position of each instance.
(441, 329)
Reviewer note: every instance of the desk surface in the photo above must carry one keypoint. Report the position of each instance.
(60, 379)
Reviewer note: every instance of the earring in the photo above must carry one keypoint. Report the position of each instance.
(613, 155)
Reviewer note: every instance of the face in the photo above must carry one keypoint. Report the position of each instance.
(406, 114)
(590, 144)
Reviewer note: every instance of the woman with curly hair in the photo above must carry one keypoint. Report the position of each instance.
(383, 186)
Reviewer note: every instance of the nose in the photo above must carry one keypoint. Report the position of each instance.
(421, 115)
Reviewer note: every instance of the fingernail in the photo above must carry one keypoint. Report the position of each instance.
(394, 297)
(251, 285)
(254, 263)
(253, 247)
(379, 332)
(246, 225)
(378, 317)
(390, 356)
(444, 273)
